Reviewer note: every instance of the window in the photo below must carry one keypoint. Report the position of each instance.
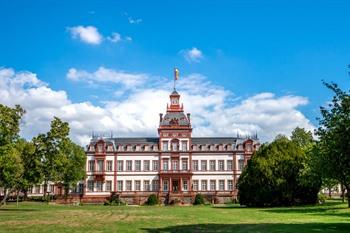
(175, 146)
(90, 185)
(165, 185)
(212, 185)
(146, 165)
(249, 147)
(195, 185)
(175, 164)
(37, 189)
(30, 189)
(108, 185)
(221, 165)
(203, 165)
(120, 165)
(155, 185)
(51, 188)
(120, 185)
(195, 165)
(110, 148)
(99, 186)
(230, 184)
(109, 165)
(204, 186)
(229, 165)
(240, 164)
(91, 165)
(146, 186)
(184, 165)
(221, 185)
(155, 165)
(137, 165)
(100, 165)
(165, 146)
(99, 148)
(212, 165)
(129, 165)
(184, 146)
(137, 185)
(165, 165)
(184, 185)
(128, 185)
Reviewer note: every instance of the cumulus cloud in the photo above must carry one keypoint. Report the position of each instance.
(91, 35)
(105, 75)
(88, 34)
(134, 21)
(214, 110)
(193, 55)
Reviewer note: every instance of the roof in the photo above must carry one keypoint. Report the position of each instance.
(175, 118)
(213, 140)
(133, 140)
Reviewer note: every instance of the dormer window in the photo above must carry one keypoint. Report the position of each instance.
(100, 148)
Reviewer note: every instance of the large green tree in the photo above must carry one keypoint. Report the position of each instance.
(11, 167)
(62, 160)
(279, 173)
(334, 138)
(31, 162)
(49, 147)
(73, 164)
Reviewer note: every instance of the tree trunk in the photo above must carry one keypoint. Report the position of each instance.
(17, 197)
(330, 192)
(3, 201)
(348, 194)
(45, 188)
(343, 192)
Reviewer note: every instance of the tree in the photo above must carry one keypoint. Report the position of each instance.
(334, 138)
(10, 161)
(49, 147)
(31, 161)
(73, 164)
(279, 174)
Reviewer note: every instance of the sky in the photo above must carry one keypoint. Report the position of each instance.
(107, 66)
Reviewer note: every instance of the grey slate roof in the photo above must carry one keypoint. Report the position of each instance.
(213, 140)
(180, 117)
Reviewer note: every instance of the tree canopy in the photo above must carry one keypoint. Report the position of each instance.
(280, 173)
(334, 138)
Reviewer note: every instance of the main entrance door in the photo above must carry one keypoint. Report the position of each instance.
(175, 185)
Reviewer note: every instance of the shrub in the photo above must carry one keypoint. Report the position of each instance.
(152, 200)
(199, 199)
(114, 200)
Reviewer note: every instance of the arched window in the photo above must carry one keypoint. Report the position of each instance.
(175, 145)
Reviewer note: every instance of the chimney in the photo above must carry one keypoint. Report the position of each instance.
(189, 117)
(160, 117)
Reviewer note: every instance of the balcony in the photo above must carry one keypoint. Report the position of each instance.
(187, 172)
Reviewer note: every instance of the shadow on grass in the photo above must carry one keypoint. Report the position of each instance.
(264, 227)
(17, 210)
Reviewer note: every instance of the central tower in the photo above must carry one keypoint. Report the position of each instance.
(175, 133)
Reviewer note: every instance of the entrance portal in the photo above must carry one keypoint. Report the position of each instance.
(175, 186)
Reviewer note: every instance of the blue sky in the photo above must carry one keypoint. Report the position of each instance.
(243, 48)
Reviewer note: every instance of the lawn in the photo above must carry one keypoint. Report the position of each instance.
(38, 217)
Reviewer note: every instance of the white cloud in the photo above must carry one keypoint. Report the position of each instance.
(134, 21)
(193, 55)
(115, 37)
(88, 34)
(213, 109)
(105, 75)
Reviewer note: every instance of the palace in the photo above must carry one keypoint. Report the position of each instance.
(175, 166)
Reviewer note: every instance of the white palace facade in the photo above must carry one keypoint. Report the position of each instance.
(174, 165)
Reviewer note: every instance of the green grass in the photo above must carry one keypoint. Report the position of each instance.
(38, 217)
